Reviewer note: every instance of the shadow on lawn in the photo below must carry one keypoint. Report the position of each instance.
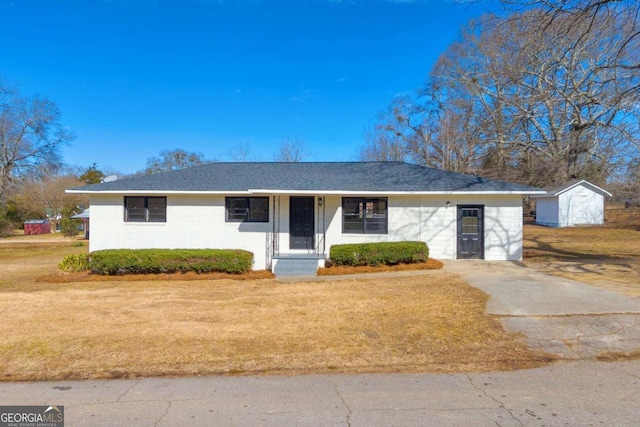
(579, 265)
(546, 251)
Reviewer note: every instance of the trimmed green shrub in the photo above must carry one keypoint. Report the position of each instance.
(382, 253)
(154, 261)
(75, 263)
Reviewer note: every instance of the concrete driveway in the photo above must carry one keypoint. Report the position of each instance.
(516, 290)
(570, 319)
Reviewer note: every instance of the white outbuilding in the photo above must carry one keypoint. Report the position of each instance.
(577, 203)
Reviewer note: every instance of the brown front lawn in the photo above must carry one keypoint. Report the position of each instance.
(607, 256)
(114, 329)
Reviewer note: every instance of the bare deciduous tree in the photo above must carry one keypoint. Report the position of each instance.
(291, 150)
(174, 159)
(382, 144)
(242, 153)
(582, 14)
(422, 130)
(533, 98)
(30, 137)
(46, 197)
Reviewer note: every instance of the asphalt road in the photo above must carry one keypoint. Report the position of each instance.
(563, 394)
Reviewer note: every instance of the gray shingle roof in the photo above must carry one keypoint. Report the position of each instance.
(316, 176)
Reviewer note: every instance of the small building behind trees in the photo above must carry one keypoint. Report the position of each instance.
(577, 203)
(37, 226)
(84, 216)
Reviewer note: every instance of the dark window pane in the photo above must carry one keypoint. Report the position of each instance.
(352, 207)
(377, 208)
(470, 221)
(259, 209)
(237, 209)
(249, 209)
(134, 209)
(352, 215)
(376, 225)
(470, 212)
(362, 215)
(157, 209)
(376, 216)
(352, 226)
(470, 225)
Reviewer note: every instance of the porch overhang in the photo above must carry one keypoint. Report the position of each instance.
(389, 193)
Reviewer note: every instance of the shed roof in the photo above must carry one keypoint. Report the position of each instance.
(566, 187)
(82, 215)
(307, 177)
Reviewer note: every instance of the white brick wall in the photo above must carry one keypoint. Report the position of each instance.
(428, 219)
(199, 222)
(192, 222)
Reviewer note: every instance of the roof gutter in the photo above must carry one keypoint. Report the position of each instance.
(392, 193)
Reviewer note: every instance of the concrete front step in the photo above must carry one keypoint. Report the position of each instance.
(296, 267)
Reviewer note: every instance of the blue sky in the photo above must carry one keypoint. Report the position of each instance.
(134, 77)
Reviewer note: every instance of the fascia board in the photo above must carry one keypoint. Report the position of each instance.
(158, 192)
(393, 193)
(304, 192)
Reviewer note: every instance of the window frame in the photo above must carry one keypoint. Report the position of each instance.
(363, 214)
(148, 216)
(247, 217)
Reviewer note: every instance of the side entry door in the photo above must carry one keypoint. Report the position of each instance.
(470, 232)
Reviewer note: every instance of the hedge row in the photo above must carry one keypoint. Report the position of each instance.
(154, 261)
(384, 253)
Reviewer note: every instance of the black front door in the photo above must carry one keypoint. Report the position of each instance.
(470, 232)
(301, 222)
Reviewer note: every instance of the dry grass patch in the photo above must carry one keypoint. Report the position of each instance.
(620, 217)
(606, 256)
(61, 277)
(134, 328)
(335, 270)
(618, 356)
(432, 323)
(577, 243)
(21, 262)
(18, 236)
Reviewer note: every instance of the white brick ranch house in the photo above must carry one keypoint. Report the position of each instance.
(285, 211)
